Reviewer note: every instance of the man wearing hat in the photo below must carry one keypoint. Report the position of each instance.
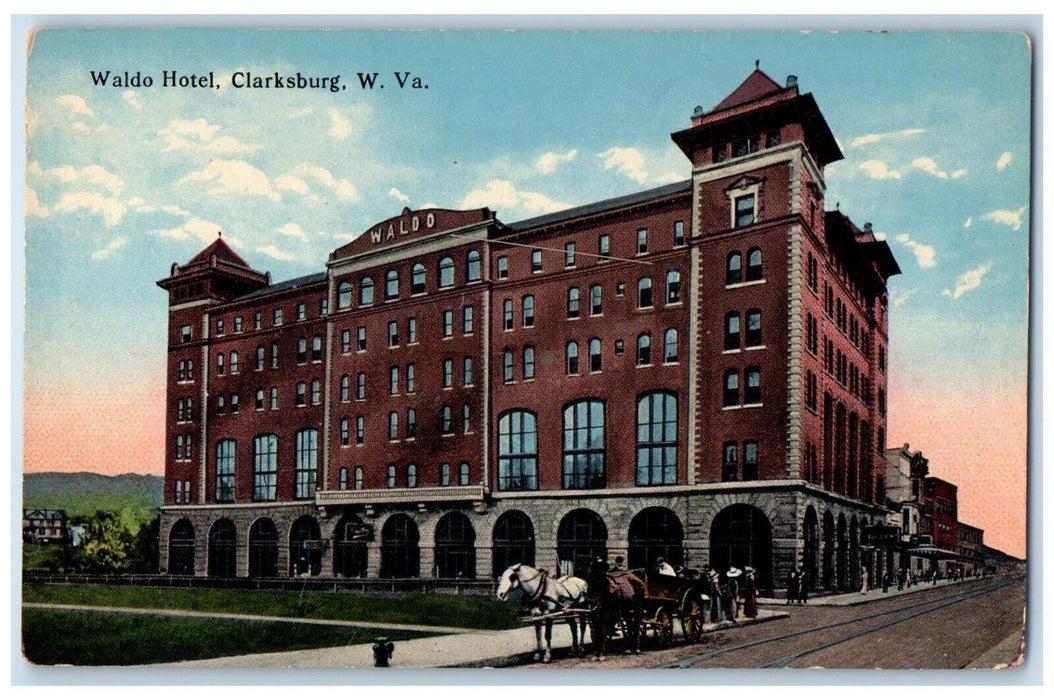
(715, 594)
(664, 567)
(732, 593)
(750, 592)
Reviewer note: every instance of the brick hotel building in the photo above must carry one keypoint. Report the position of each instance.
(696, 371)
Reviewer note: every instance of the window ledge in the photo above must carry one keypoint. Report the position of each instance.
(751, 283)
(674, 303)
(731, 352)
(645, 365)
(755, 347)
(753, 405)
(731, 408)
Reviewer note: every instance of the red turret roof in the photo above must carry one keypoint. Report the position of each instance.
(756, 86)
(222, 251)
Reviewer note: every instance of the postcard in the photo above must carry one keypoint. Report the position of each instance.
(360, 348)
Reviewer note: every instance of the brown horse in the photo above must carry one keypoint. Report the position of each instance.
(619, 598)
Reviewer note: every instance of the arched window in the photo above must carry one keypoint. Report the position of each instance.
(366, 290)
(572, 357)
(731, 392)
(221, 368)
(306, 462)
(473, 272)
(644, 349)
(389, 481)
(572, 302)
(732, 330)
(316, 351)
(528, 362)
(234, 362)
(528, 311)
(507, 322)
(581, 538)
(595, 358)
(358, 478)
(411, 476)
(754, 270)
(344, 295)
(351, 552)
(225, 466)
(730, 462)
(754, 328)
(181, 549)
(673, 287)
(657, 438)
(644, 293)
(506, 366)
(517, 451)
(669, 346)
(463, 474)
(265, 467)
(303, 558)
(417, 279)
(734, 268)
(393, 426)
(391, 285)
(596, 300)
(446, 273)
(411, 424)
(455, 547)
(263, 549)
(513, 541)
(223, 549)
(653, 533)
(584, 445)
(400, 554)
(345, 388)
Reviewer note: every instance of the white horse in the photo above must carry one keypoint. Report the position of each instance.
(544, 595)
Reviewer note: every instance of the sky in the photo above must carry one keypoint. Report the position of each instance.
(120, 182)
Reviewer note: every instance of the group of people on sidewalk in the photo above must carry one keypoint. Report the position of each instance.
(797, 587)
(729, 598)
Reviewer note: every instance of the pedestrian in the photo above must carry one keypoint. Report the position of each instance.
(885, 582)
(715, 595)
(803, 587)
(750, 593)
(732, 594)
(792, 586)
(902, 577)
(664, 567)
(863, 580)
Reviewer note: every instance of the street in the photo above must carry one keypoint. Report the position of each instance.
(946, 627)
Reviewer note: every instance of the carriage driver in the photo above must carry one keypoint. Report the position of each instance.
(664, 567)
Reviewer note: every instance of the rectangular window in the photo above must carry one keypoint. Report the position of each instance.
(467, 320)
(301, 311)
(265, 467)
(466, 419)
(274, 355)
(446, 423)
(219, 326)
(569, 254)
(678, 233)
(361, 338)
(528, 362)
(603, 246)
(752, 392)
(301, 396)
(234, 403)
(448, 373)
(306, 463)
(301, 351)
(730, 462)
(345, 341)
(316, 349)
(536, 260)
(393, 334)
(642, 241)
(185, 334)
(274, 398)
(448, 323)
(277, 317)
(810, 390)
(507, 321)
(411, 331)
(750, 460)
(225, 460)
(257, 320)
(410, 379)
(360, 430)
(393, 381)
(744, 210)
(237, 324)
(503, 267)
(468, 379)
(360, 386)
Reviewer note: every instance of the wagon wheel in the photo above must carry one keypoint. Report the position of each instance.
(692, 616)
(663, 624)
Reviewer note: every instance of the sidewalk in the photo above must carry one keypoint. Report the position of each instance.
(474, 649)
(857, 598)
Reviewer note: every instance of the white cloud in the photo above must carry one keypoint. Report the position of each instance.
(340, 187)
(629, 161)
(293, 230)
(80, 126)
(189, 134)
(971, 279)
(273, 252)
(867, 139)
(548, 161)
(173, 209)
(498, 194)
(234, 177)
(33, 205)
(75, 104)
(1004, 160)
(928, 165)
(899, 300)
(129, 97)
(90, 174)
(877, 170)
(339, 127)
(969, 222)
(669, 177)
(925, 255)
(111, 210)
(301, 113)
(193, 227)
(108, 250)
(291, 183)
(1006, 217)
(396, 194)
(880, 236)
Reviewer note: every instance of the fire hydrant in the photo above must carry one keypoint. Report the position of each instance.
(382, 651)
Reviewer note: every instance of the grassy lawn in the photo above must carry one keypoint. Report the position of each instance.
(101, 639)
(410, 608)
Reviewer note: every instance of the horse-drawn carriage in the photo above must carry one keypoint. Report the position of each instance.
(669, 597)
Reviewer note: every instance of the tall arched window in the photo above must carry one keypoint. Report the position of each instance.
(417, 279)
(596, 300)
(391, 285)
(734, 268)
(513, 541)
(225, 466)
(345, 388)
(657, 438)
(673, 287)
(306, 462)
(669, 346)
(344, 295)
(528, 362)
(528, 311)
(446, 272)
(517, 451)
(473, 271)
(455, 547)
(366, 290)
(265, 467)
(644, 349)
(644, 293)
(400, 554)
(507, 366)
(584, 445)
(754, 269)
(573, 302)
(572, 357)
(595, 358)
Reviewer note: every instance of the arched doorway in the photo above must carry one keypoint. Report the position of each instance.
(223, 549)
(581, 538)
(350, 553)
(513, 541)
(742, 536)
(400, 553)
(843, 554)
(828, 551)
(305, 554)
(455, 550)
(653, 533)
(181, 549)
(811, 550)
(263, 549)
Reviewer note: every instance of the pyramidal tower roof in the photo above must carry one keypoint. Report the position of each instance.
(757, 85)
(222, 251)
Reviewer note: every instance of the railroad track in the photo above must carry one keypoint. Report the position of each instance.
(914, 610)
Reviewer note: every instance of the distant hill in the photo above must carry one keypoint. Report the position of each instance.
(82, 493)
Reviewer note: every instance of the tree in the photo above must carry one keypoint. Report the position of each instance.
(107, 546)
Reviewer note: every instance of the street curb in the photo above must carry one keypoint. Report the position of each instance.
(512, 660)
